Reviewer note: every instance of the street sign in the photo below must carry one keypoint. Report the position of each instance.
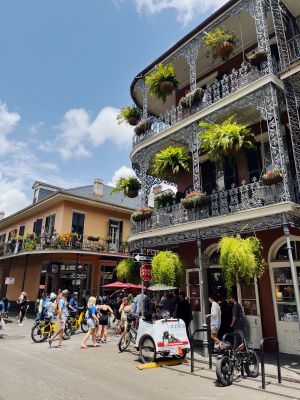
(142, 257)
(146, 272)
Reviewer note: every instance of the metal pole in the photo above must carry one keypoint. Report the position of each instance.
(286, 231)
(142, 298)
(25, 270)
(202, 299)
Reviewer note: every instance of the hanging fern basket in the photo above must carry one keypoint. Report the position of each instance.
(167, 87)
(132, 193)
(133, 121)
(257, 58)
(224, 50)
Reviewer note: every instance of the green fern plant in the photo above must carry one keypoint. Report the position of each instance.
(240, 259)
(128, 270)
(162, 81)
(169, 163)
(167, 268)
(130, 186)
(226, 139)
(164, 200)
(130, 114)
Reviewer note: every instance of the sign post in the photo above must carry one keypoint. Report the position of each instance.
(146, 275)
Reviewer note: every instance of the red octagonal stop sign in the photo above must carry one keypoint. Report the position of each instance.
(145, 272)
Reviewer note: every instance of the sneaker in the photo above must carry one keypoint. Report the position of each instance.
(20, 324)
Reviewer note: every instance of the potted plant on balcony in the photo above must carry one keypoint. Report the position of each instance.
(164, 199)
(162, 81)
(93, 238)
(128, 270)
(171, 162)
(272, 177)
(167, 268)
(221, 42)
(192, 98)
(130, 114)
(225, 140)
(240, 259)
(257, 57)
(141, 214)
(143, 126)
(194, 200)
(130, 186)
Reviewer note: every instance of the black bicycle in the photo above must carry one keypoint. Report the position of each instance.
(129, 335)
(242, 358)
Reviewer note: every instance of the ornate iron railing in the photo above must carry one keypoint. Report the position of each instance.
(236, 199)
(294, 49)
(212, 94)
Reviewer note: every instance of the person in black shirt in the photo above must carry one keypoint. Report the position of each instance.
(184, 311)
(22, 303)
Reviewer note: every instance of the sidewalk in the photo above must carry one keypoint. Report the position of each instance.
(290, 365)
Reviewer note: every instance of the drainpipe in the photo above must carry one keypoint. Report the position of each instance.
(25, 270)
(202, 297)
(286, 231)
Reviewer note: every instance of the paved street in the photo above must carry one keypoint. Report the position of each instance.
(34, 371)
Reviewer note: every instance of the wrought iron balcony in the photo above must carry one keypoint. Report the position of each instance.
(228, 85)
(294, 49)
(246, 197)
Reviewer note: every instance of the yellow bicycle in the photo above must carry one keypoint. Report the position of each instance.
(78, 320)
(45, 328)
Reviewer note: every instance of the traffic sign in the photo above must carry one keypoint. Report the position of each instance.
(142, 257)
(146, 272)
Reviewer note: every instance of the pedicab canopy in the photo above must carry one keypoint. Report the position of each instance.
(161, 288)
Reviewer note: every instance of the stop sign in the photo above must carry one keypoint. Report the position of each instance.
(145, 272)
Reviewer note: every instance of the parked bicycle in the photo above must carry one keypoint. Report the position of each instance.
(129, 335)
(240, 358)
(45, 328)
(78, 320)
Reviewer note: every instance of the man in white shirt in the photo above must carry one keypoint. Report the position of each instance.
(215, 319)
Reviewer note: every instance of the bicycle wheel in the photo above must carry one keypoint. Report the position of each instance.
(38, 334)
(252, 364)
(224, 370)
(84, 325)
(124, 341)
(147, 349)
(67, 331)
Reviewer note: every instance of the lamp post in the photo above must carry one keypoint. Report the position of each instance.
(202, 297)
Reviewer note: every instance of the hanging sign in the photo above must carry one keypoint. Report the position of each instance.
(10, 281)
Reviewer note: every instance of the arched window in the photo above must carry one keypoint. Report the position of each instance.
(214, 258)
(282, 253)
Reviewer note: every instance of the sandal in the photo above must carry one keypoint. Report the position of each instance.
(83, 346)
(97, 345)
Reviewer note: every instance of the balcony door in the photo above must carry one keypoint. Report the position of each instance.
(78, 223)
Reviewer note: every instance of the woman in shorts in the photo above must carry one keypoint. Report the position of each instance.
(92, 320)
(104, 310)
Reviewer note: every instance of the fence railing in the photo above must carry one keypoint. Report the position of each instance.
(294, 48)
(245, 197)
(229, 84)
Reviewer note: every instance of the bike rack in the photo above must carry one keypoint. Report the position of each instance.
(192, 348)
(263, 374)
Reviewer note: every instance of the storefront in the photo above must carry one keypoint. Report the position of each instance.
(283, 293)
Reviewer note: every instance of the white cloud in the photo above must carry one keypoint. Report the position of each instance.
(187, 10)
(8, 121)
(35, 127)
(122, 172)
(12, 195)
(78, 132)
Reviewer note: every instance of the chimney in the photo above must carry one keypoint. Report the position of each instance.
(2, 213)
(157, 189)
(98, 187)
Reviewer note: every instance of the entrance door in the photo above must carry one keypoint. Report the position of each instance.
(193, 294)
(249, 299)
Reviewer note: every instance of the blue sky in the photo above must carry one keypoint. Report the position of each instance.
(66, 67)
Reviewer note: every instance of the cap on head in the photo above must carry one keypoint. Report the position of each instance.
(53, 296)
(65, 291)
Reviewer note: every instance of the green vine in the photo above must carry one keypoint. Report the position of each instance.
(167, 268)
(241, 258)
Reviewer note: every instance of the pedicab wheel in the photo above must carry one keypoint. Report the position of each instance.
(67, 331)
(37, 334)
(124, 341)
(147, 350)
(224, 371)
(252, 364)
(84, 326)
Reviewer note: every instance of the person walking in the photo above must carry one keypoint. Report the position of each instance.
(91, 321)
(167, 303)
(238, 321)
(215, 319)
(22, 303)
(124, 309)
(62, 313)
(104, 310)
(184, 312)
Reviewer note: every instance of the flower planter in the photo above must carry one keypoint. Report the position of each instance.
(224, 50)
(257, 58)
(167, 87)
(92, 238)
(139, 216)
(132, 193)
(192, 98)
(272, 178)
(194, 200)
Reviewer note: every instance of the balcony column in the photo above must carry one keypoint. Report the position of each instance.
(191, 57)
(141, 85)
(280, 30)
(269, 110)
(195, 146)
(259, 13)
